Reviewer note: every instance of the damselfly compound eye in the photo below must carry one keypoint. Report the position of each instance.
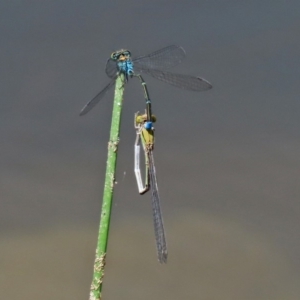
(114, 56)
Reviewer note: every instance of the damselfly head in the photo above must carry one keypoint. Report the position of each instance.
(121, 55)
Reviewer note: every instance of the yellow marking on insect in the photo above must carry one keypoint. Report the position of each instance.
(140, 119)
(147, 135)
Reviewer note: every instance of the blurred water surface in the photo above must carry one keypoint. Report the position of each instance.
(227, 160)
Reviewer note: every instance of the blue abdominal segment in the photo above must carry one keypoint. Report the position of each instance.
(148, 125)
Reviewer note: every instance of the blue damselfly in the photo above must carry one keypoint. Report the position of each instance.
(153, 64)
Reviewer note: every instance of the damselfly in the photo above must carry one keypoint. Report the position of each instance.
(153, 64)
(145, 136)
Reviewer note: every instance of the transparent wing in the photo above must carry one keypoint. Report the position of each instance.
(160, 236)
(97, 98)
(111, 68)
(164, 58)
(186, 82)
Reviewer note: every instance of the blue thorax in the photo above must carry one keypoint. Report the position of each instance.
(125, 67)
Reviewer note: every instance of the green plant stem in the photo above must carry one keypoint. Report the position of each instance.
(96, 287)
